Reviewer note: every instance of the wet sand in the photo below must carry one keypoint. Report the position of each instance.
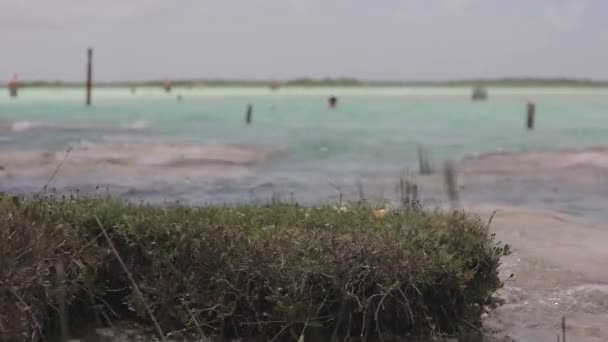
(128, 165)
(560, 268)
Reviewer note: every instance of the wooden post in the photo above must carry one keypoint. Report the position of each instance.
(89, 75)
(249, 115)
(530, 115)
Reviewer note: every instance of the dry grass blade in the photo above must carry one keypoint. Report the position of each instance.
(55, 172)
(424, 161)
(61, 298)
(36, 323)
(135, 287)
(195, 320)
(278, 335)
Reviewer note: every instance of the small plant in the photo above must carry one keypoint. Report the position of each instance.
(408, 193)
(451, 187)
(424, 161)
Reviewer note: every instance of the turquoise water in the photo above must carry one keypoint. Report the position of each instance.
(374, 132)
(370, 125)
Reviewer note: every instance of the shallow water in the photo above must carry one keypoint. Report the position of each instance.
(199, 150)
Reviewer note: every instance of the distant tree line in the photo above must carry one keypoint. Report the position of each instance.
(337, 82)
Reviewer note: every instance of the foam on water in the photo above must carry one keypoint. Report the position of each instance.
(158, 169)
(594, 157)
(27, 126)
(22, 126)
(175, 155)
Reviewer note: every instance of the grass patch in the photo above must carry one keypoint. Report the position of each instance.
(274, 272)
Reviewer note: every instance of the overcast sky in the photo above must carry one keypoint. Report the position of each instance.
(265, 39)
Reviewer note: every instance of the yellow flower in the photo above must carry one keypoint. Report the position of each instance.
(379, 213)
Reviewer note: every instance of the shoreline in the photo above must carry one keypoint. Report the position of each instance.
(569, 181)
(559, 268)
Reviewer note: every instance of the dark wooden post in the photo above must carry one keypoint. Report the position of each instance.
(249, 115)
(531, 110)
(89, 75)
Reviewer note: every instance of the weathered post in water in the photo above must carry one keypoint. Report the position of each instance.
(89, 75)
(13, 87)
(451, 187)
(531, 111)
(249, 115)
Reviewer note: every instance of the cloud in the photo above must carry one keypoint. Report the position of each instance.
(565, 15)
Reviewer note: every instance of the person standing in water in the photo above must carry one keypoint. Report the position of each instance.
(167, 86)
(333, 102)
(13, 86)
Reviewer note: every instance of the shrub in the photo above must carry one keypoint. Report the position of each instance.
(254, 272)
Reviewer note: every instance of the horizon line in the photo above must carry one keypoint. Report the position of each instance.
(329, 80)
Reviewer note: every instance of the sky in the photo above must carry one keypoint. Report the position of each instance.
(283, 39)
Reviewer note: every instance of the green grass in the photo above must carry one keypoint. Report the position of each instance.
(262, 272)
